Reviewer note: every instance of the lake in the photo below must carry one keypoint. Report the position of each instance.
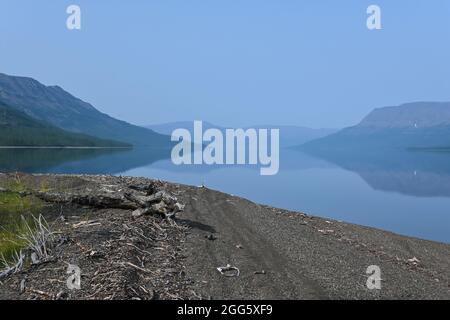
(406, 192)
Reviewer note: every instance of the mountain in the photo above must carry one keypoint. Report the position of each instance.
(289, 135)
(18, 129)
(412, 125)
(59, 108)
(169, 127)
(409, 115)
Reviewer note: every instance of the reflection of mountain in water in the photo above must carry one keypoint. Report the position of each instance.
(113, 161)
(417, 183)
(416, 173)
(87, 161)
(289, 160)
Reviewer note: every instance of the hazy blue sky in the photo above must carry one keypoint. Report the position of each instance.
(233, 62)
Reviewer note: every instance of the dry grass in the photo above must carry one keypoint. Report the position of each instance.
(35, 237)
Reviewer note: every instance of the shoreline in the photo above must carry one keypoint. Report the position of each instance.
(280, 254)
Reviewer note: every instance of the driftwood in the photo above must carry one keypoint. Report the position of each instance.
(144, 201)
(147, 188)
(97, 201)
(122, 257)
(229, 271)
(136, 198)
(159, 203)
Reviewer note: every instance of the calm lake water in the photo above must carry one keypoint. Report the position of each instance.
(406, 192)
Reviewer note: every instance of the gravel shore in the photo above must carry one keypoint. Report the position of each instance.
(159, 255)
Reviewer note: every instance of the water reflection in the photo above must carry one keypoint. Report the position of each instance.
(389, 190)
(417, 173)
(85, 161)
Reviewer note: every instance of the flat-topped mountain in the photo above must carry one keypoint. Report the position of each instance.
(410, 115)
(59, 108)
(412, 125)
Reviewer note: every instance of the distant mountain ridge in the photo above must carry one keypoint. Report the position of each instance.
(19, 129)
(55, 106)
(409, 115)
(411, 125)
(289, 135)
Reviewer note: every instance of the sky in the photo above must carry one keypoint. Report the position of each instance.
(235, 63)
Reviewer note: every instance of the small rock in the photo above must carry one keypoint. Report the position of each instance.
(211, 237)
